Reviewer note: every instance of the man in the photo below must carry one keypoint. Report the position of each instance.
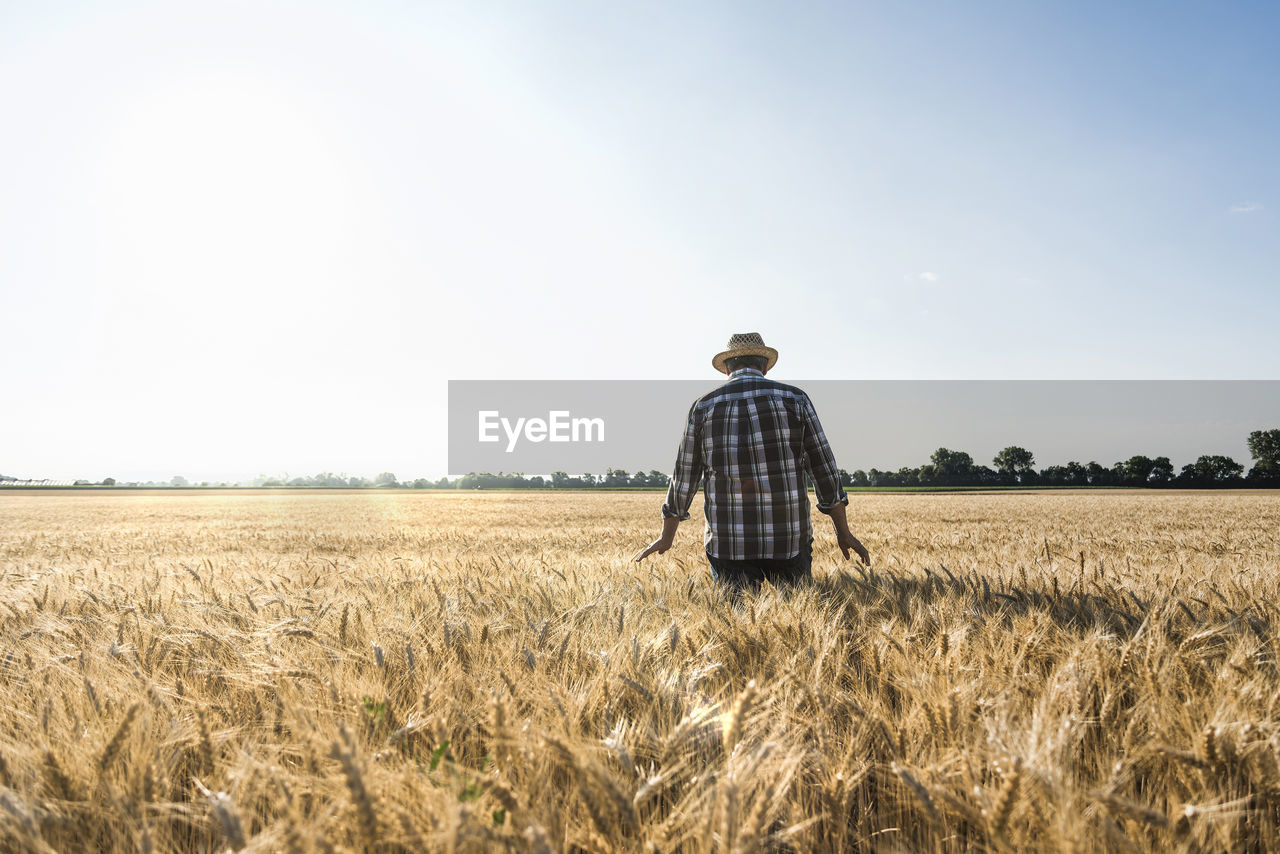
(750, 442)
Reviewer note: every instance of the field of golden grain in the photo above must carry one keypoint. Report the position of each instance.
(475, 672)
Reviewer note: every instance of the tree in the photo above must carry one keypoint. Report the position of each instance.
(950, 468)
(1134, 471)
(1096, 475)
(386, 478)
(178, 480)
(1264, 447)
(1211, 470)
(108, 481)
(1161, 473)
(1015, 464)
(1054, 476)
(859, 478)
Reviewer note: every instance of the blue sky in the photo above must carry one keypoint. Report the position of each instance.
(246, 237)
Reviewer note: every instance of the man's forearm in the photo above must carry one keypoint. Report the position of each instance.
(669, 526)
(838, 519)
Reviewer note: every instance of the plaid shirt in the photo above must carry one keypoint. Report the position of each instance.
(750, 443)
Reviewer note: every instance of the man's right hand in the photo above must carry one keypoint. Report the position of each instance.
(847, 542)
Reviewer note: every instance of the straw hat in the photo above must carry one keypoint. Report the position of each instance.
(745, 344)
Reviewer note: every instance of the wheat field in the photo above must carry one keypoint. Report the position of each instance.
(1066, 671)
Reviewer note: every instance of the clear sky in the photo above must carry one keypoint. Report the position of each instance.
(244, 237)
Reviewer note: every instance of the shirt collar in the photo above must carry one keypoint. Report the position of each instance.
(745, 372)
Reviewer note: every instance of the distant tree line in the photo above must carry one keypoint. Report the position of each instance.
(613, 478)
(1013, 466)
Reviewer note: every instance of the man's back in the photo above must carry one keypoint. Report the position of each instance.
(749, 444)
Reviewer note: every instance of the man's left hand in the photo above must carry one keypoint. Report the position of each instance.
(663, 542)
(659, 545)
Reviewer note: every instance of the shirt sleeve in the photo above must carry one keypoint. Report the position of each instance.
(820, 461)
(688, 471)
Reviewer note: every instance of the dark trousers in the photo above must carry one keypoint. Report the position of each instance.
(779, 572)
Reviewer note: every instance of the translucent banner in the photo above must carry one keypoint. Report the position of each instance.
(576, 426)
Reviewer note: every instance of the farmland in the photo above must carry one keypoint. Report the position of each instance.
(327, 671)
